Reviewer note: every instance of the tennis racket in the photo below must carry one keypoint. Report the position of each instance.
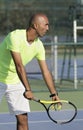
(60, 112)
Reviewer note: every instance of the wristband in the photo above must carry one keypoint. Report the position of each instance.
(27, 90)
(54, 94)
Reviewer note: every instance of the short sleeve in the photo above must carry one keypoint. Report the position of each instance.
(12, 42)
(40, 51)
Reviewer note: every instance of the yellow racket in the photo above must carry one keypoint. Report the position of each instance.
(61, 111)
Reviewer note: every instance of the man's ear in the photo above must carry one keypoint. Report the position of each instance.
(35, 26)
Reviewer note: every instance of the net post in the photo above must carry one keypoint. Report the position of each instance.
(75, 59)
(55, 59)
(76, 28)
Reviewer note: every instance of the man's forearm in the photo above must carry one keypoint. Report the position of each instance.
(49, 81)
(22, 76)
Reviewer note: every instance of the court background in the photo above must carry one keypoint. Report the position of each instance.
(61, 13)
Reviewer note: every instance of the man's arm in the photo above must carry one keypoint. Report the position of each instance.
(48, 78)
(21, 73)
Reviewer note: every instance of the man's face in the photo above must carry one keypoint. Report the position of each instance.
(42, 26)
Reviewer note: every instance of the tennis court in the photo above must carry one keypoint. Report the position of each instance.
(37, 120)
(65, 62)
(40, 120)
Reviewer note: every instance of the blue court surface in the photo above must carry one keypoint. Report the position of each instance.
(40, 121)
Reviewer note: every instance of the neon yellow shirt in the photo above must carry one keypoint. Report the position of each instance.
(16, 41)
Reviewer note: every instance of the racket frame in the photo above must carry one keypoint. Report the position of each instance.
(43, 102)
(63, 122)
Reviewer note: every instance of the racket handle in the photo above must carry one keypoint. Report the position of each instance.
(36, 99)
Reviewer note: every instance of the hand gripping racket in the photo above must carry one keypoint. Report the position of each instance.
(60, 112)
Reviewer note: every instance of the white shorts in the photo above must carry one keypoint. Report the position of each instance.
(17, 103)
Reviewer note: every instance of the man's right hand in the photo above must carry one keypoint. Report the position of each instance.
(28, 94)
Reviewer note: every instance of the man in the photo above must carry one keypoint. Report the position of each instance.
(17, 49)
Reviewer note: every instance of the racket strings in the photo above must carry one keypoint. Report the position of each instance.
(61, 112)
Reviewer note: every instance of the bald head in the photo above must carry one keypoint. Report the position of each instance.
(38, 24)
(37, 18)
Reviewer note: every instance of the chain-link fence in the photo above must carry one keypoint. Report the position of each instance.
(15, 14)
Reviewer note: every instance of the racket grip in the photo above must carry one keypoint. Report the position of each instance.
(36, 99)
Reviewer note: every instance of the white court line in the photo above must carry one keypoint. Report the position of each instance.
(6, 123)
(34, 122)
